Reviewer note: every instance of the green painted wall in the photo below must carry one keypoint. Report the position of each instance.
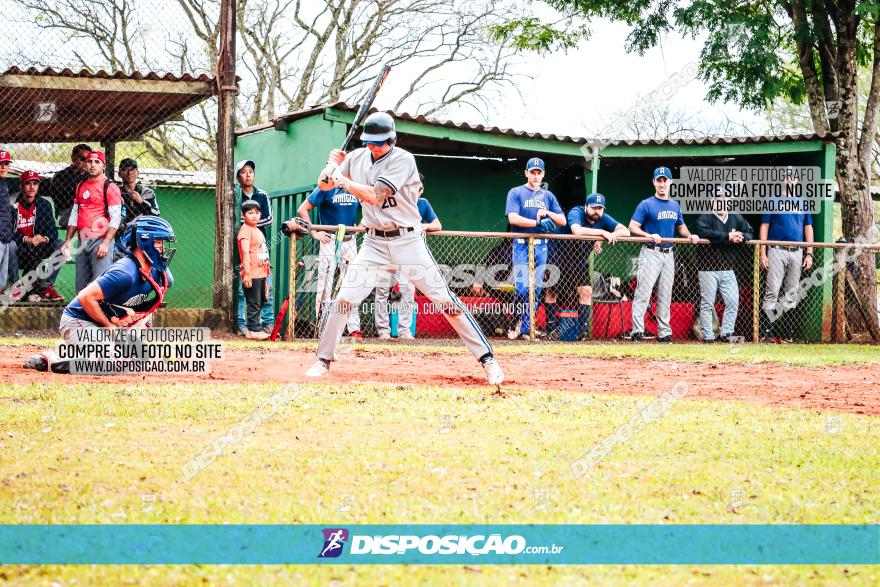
(293, 157)
(190, 210)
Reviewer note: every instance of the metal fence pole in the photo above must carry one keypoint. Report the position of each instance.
(531, 288)
(756, 273)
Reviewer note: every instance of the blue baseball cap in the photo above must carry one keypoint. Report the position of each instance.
(596, 199)
(662, 172)
(535, 163)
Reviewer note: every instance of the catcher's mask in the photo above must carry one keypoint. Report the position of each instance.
(142, 232)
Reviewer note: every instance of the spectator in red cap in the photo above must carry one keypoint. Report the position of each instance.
(7, 220)
(36, 238)
(62, 189)
(95, 217)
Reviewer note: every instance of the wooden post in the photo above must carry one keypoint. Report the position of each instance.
(291, 290)
(109, 147)
(531, 288)
(839, 295)
(224, 239)
(756, 283)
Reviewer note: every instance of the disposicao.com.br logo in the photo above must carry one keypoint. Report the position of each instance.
(393, 544)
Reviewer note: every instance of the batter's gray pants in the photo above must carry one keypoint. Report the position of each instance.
(376, 260)
(654, 268)
(88, 266)
(784, 270)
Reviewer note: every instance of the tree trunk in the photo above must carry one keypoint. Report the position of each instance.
(857, 214)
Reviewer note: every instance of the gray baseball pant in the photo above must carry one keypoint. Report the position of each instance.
(784, 270)
(377, 259)
(88, 265)
(654, 268)
(711, 284)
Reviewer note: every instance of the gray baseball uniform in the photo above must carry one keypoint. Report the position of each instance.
(380, 256)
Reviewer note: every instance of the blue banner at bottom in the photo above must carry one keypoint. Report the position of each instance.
(441, 544)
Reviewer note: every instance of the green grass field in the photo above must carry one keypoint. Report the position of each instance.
(113, 454)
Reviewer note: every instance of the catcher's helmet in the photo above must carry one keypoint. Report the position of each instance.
(142, 232)
(379, 126)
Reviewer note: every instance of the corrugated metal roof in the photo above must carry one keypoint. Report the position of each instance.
(101, 74)
(284, 119)
(66, 106)
(147, 174)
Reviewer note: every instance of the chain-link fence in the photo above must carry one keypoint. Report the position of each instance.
(568, 288)
(112, 77)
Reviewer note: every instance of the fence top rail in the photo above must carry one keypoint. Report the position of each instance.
(631, 239)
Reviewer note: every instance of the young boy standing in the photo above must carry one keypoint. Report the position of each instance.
(254, 255)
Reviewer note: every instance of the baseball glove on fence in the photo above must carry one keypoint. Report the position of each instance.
(296, 226)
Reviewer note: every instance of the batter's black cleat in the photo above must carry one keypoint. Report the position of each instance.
(666, 338)
(37, 362)
(637, 337)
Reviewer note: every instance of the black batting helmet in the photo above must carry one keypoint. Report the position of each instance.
(379, 126)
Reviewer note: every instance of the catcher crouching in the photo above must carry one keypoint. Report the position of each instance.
(126, 294)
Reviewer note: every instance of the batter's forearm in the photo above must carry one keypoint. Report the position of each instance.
(365, 193)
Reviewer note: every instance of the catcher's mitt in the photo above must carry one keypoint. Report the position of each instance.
(296, 226)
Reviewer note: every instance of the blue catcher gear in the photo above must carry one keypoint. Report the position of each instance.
(142, 232)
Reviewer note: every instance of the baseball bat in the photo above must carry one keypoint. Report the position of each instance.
(366, 104)
(337, 256)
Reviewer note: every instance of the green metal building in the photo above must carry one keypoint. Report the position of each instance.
(469, 170)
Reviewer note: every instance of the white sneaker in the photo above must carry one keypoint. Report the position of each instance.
(494, 374)
(319, 369)
(257, 335)
(384, 336)
(34, 298)
(405, 335)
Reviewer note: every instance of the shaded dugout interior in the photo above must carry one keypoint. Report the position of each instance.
(469, 170)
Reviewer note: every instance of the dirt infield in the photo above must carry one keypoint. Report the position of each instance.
(847, 388)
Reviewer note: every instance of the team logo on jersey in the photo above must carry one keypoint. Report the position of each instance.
(667, 215)
(344, 198)
(535, 203)
(86, 195)
(334, 541)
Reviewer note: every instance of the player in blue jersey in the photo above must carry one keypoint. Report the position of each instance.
(656, 218)
(335, 206)
(531, 209)
(573, 259)
(123, 296)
